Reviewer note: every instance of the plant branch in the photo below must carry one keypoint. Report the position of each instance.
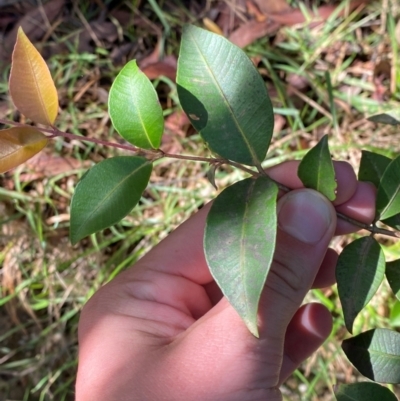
(155, 154)
(210, 160)
(370, 227)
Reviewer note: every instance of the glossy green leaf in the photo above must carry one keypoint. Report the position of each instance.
(316, 170)
(388, 196)
(391, 117)
(364, 391)
(393, 276)
(359, 272)
(107, 193)
(239, 243)
(376, 354)
(134, 108)
(372, 167)
(19, 144)
(224, 96)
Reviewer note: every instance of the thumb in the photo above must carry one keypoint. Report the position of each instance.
(306, 224)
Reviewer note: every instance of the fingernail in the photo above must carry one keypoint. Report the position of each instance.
(305, 215)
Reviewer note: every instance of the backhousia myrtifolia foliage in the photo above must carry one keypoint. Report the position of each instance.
(227, 102)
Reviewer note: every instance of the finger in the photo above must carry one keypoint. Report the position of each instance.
(307, 221)
(361, 207)
(286, 174)
(307, 331)
(181, 253)
(326, 273)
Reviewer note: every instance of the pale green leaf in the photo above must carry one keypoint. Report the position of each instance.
(134, 108)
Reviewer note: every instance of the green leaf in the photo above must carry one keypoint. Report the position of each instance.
(359, 272)
(391, 117)
(316, 170)
(224, 96)
(372, 167)
(393, 276)
(107, 193)
(376, 354)
(388, 196)
(394, 317)
(364, 391)
(239, 243)
(134, 108)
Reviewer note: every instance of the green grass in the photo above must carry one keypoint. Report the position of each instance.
(45, 281)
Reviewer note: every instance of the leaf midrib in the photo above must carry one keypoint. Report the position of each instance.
(39, 93)
(213, 77)
(110, 193)
(243, 243)
(139, 114)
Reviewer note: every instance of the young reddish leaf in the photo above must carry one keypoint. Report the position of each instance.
(19, 144)
(31, 86)
(239, 243)
(359, 272)
(316, 170)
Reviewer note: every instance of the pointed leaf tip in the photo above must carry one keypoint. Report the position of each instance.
(372, 167)
(316, 170)
(391, 117)
(18, 144)
(31, 87)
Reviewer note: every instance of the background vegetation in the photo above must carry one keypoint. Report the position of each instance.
(326, 65)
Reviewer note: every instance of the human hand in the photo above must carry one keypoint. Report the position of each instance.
(162, 330)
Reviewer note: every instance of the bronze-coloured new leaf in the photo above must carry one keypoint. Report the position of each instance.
(19, 144)
(31, 87)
